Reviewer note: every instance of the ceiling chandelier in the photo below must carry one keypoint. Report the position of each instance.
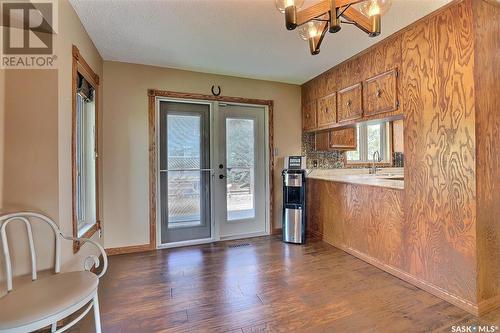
(315, 21)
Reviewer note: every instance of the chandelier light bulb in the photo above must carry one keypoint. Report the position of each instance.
(309, 30)
(375, 7)
(282, 4)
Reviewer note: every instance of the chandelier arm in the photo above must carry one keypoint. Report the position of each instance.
(360, 20)
(322, 8)
(343, 10)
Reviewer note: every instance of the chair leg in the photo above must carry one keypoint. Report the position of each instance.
(97, 316)
(53, 328)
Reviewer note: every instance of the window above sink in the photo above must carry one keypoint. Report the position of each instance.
(382, 136)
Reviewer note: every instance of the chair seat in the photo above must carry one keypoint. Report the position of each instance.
(45, 297)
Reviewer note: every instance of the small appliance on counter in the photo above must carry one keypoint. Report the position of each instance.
(294, 200)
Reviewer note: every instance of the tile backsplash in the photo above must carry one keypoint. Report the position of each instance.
(325, 159)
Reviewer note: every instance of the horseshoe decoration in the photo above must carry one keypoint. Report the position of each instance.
(218, 91)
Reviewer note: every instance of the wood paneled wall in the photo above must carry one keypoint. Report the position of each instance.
(487, 85)
(368, 219)
(442, 232)
(439, 127)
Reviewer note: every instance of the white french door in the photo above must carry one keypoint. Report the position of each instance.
(241, 171)
(212, 171)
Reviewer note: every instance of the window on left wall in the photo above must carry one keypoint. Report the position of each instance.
(85, 157)
(85, 172)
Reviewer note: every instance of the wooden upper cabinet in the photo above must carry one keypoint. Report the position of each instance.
(327, 111)
(349, 103)
(309, 118)
(343, 139)
(380, 93)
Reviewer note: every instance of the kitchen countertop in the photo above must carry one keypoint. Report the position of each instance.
(385, 177)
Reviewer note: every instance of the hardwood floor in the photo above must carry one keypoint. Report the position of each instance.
(265, 286)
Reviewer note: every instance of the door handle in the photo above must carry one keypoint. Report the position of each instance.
(222, 176)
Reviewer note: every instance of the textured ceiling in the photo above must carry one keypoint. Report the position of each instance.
(244, 38)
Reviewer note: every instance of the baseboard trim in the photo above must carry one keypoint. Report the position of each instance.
(430, 288)
(129, 249)
(277, 231)
(489, 304)
(315, 234)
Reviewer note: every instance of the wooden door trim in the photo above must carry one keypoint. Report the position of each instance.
(152, 95)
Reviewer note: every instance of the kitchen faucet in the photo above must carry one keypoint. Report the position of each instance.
(373, 169)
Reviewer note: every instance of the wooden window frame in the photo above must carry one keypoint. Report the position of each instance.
(80, 66)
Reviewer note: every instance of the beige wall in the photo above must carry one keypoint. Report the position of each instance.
(35, 161)
(125, 137)
(30, 157)
(71, 32)
(2, 129)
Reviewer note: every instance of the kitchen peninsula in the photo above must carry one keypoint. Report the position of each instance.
(438, 229)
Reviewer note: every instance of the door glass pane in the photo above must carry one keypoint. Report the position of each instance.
(240, 160)
(184, 171)
(184, 199)
(183, 186)
(184, 139)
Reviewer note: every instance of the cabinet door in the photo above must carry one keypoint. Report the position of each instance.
(309, 119)
(349, 103)
(339, 139)
(381, 93)
(322, 141)
(344, 139)
(327, 111)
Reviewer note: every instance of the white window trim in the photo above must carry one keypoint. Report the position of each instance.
(84, 222)
(362, 140)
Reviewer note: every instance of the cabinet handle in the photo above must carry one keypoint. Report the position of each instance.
(326, 110)
(307, 116)
(378, 93)
(348, 103)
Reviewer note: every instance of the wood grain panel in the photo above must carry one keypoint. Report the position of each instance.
(437, 76)
(349, 105)
(340, 139)
(332, 83)
(322, 141)
(327, 111)
(487, 81)
(349, 73)
(382, 58)
(369, 219)
(309, 116)
(380, 93)
(343, 139)
(398, 136)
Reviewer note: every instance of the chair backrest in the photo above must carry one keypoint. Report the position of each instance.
(26, 217)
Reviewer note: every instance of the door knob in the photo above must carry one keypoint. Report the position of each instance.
(221, 177)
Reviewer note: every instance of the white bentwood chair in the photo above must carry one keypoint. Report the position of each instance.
(45, 301)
